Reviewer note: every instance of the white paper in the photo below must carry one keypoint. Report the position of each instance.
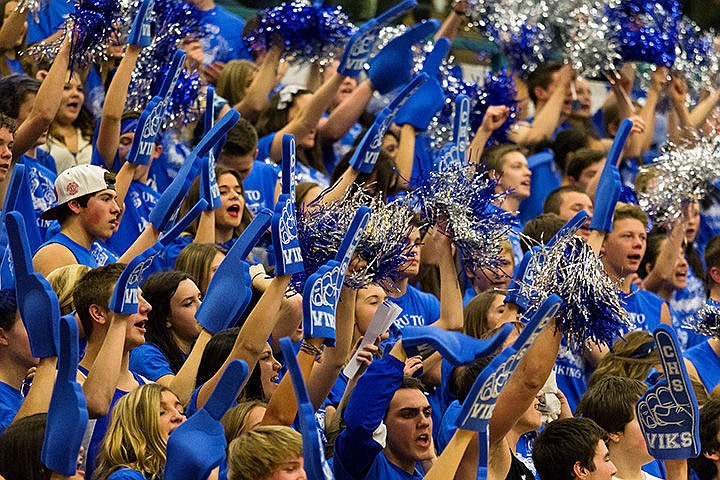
(386, 314)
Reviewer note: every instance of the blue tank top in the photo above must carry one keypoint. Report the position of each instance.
(707, 364)
(82, 254)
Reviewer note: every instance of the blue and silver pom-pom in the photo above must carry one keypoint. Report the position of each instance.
(383, 246)
(464, 197)
(682, 174)
(647, 30)
(707, 320)
(305, 32)
(592, 309)
(696, 57)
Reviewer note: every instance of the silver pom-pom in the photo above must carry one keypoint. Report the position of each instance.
(707, 320)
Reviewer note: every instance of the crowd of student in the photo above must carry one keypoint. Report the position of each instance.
(65, 141)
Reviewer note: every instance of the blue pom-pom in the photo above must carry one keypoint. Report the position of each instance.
(524, 48)
(707, 320)
(647, 30)
(304, 31)
(498, 89)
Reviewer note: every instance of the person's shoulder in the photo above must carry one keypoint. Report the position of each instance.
(228, 16)
(52, 255)
(125, 473)
(424, 296)
(648, 296)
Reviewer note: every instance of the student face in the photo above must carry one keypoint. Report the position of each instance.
(409, 427)
(547, 92)
(100, 217)
(269, 368)
(72, 101)
(633, 442)
(300, 103)
(292, 469)
(679, 277)
(390, 146)
(624, 247)
(494, 316)
(6, 145)
(242, 164)
(604, 468)
(18, 344)
(692, 219)
(515, 175)
(126, 140)
(572, 203)
(412, 265)
(172, 414)
(588, 173)
(584, 96)
(217, 260)
(485, 278)
(135, 330)
(367, 303)
(233, 202)
(346, 88)
(183, 305)
(531, 420)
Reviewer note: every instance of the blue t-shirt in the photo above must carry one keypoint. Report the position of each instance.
(707, 364)
(223, 41)
(418, 308)
(572, 372)
(684, 304)
(10, 402)
(125, 473)
(14, 65)
(303, 173)
(513, 235)
(50, 18)
(260, 185)
(644, 308)
(139, 202)
(166, 167)
(150, 362)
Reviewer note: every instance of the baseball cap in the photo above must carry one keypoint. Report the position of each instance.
(76, 182)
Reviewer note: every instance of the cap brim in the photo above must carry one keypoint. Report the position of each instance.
(51, 214)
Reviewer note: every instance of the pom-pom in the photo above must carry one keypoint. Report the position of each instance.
(696, 57)
(682, 174)
(463, 197)
(647, 31)
(173, 22)
(31, 6)
(305, 32)
(591, 308)
(383, 246)
(707, 320)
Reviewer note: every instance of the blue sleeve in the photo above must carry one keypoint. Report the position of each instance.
(171, 252)
(191, 407)
(126, 474)
(355, 448)
(50, 18)
(150, 362)
(264, 145)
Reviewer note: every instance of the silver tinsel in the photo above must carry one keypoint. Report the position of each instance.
(696, 58)
(680, 175)
(707, 320)
(592, 309)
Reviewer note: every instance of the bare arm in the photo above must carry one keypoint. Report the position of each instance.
(702, 110)
(13, 29)
(451, 311)
(495, 116)
(109, 132)
(344, 116)
(256, 96)
(206, 228)
(183, 384)
(453, 21)
(253, 334)
(664, 266)
(405, 155)
(38, 399)
(647, 112)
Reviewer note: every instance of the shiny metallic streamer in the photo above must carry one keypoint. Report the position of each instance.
(592, 309)
(464, 197)
(383, 247)
(682, 174)
(707, 320)
(305, 32)
(696, 58)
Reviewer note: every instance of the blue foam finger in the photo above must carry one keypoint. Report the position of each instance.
(619, 142)
(13, 189)
(457, 348)
(319, 294)
(171, 75)
(209, 116)
(140, 32)
(367, 152)
(461, 125)
(515, 288)
(352, 237)
(668, 412)
(288, 165)
(360, 46)
(477, 409)
(286, 246)
(184, 457)
(448, 158)
(37, 302)
(146, 132)
(570, 228)
(316, 466)
(124, 298)
(67, 416)
(230, 291)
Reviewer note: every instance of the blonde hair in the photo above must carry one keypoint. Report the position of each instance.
(195, 260)
(256, 454)
(133, 438)
(232, 82)
(63, 280)
(629, 210)
(235, 420)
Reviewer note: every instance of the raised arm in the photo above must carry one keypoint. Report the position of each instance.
(453, 21)
(702, 110)
(13, 29)
(256, 96)
(451, 311)
(344, 116)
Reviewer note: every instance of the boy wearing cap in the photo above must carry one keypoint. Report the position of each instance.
(87, 210)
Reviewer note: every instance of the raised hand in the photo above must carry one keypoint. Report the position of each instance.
(37, 302)
(360, 46)
(668, 412)
(67, 415)
(174, 194)
(313, 451)
(140, 32)
(609, 186)
(424, 104)
(461, 126)
(198, 446)
(393, 65)
(230, 289)
(322, 289)
(124, 298)
(288, 256)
